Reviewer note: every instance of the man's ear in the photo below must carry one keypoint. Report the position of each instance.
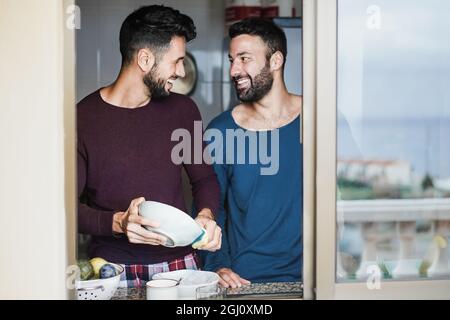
(145, 60)
(276, 61)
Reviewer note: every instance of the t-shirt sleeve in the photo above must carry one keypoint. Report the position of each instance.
(205, 188)
(212, 261)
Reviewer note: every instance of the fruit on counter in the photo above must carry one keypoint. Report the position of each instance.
(97, 264)
(107, 271)
(440, 241)
(86, 270)
(96, 268)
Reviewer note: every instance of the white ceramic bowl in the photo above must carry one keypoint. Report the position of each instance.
(176, 225)
(99, 289)
(187, 288)
(162, 289)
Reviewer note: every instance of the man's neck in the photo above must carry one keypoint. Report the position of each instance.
(277, 104)
(275, 110)
(128, 91)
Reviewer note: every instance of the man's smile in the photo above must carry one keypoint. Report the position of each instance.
(242, 83)
(171, 81)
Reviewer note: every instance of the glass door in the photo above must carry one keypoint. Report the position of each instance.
(383, 157)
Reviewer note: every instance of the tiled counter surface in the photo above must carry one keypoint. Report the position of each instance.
(276, 290)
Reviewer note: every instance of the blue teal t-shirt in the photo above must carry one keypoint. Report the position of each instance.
(260, 214)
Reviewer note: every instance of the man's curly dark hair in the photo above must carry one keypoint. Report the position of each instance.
(153, 27)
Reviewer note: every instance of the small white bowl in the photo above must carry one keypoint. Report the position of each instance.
(186, 289)
(162, 289)
(176, 225)
(99, 289)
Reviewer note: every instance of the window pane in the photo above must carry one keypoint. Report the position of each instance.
(393, 146)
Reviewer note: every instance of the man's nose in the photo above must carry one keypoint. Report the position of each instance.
(180, 70)
(235, 69)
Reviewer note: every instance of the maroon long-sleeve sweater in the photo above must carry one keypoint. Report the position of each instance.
(124, 154)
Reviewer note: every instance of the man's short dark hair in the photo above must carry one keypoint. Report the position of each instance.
(153, 27)
(272, 35)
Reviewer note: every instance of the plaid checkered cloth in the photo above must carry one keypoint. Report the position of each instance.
(138, 275)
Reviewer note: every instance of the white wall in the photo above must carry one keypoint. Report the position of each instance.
(37, 150)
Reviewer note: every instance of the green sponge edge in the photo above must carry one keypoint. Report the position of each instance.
(199, 238)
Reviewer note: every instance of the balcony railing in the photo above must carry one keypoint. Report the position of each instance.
(405, 213)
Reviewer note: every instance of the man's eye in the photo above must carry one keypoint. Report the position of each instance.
(244, 59)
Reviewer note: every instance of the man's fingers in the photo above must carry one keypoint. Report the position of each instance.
(137, 239)
(136, 232)
(230, 278)
(137, 201)
(210, 228)
(226, 277)
(223, 283)
(143, 221)
(147, 235)
(215, 242)
(218, 238)
(244, 281)
(236, 279)
(220, 242)
(150, 223)
(134, 206)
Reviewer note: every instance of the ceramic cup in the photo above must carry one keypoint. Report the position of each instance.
(162, 289)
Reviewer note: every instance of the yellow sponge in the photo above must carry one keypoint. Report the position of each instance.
(202, 241)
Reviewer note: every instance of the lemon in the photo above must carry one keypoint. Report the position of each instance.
(97, 264)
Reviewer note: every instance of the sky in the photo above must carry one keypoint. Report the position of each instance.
(394, 58)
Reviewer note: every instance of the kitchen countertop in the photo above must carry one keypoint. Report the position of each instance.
(275, 290)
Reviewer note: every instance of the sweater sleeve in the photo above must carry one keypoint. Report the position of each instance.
(90, 221)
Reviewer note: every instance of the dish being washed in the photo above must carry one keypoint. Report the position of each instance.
(176, 225)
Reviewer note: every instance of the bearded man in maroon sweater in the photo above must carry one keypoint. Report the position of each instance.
(125, 146)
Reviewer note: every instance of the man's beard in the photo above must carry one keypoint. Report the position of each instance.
(259, 86)
(156, 87)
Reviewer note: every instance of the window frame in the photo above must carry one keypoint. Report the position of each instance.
(308, 138)
(325, 80)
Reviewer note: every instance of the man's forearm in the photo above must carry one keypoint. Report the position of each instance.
(94, 222)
